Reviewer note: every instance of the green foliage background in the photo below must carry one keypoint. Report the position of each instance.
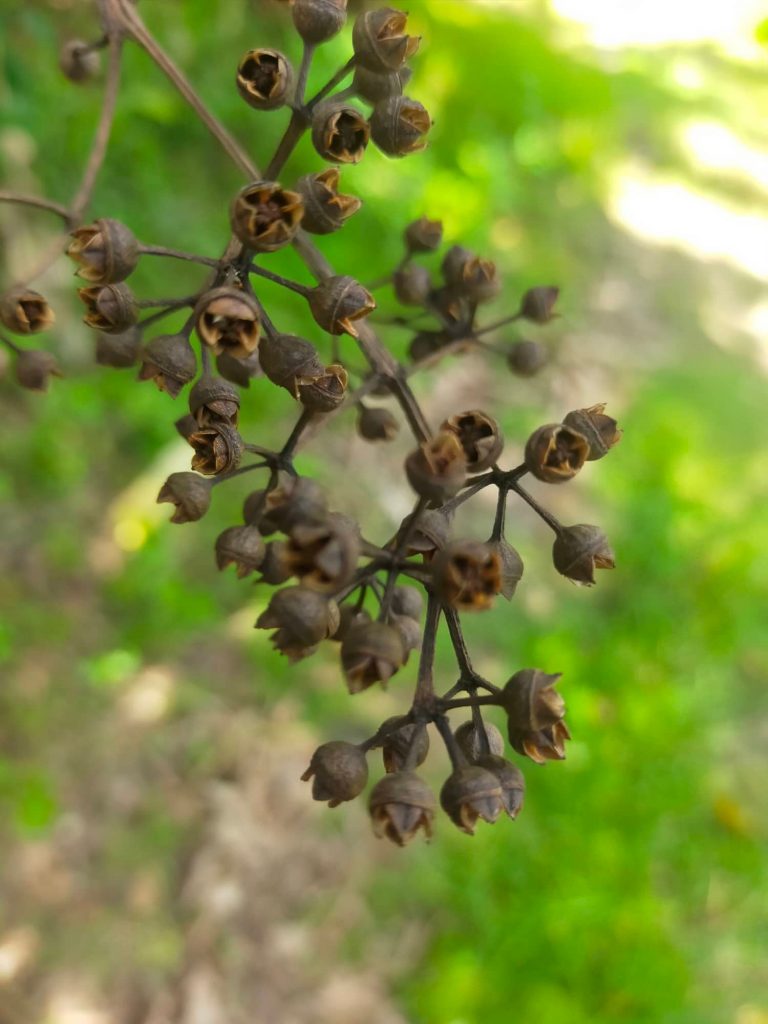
(633, 887)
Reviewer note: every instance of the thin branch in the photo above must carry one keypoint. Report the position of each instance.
(36, 201)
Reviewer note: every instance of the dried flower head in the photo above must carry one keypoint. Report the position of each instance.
(340, 133)
(264, 79)
(24, 311)
(479, 436)
(227, 320)
(264, 216)
(555, 453)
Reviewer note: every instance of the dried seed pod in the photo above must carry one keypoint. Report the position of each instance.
(337, 302)
(227, 320)
(340, 133)
(423, 235)
(169, 361)
(272, 568)
(579, 550)
(319, 20)
(105, 252)
(412, 284)
(400, 805)
(430, 534)
(294, 501)
(241, 546)
(326, 392)
(349, 616)
(467, 575)
(601, 431)
(370, 653)
(409, 630)
(409, 742)
(377, 86)
(555, 453)
(186, 426)
(537, 305)
(212, 398)
(376, 424)
(425, 344)
(510, 779)
(323, 555)
(190, 493)
(437, 469)
(472, 744)
(264, 79)
(398, 126)
(325, 208)
(511, 566)
(452, 305)
(300, 618)
(119, 350)
(380, 41)
(239, 371)
(535, 713)
(481, 282)
(407, 601)
(34, 369)
(454, 263)
(78, 61)
(290, 362)
(110, 308)
(339, 772)
(526, 358)
(470, 793)
(24, 311)
(480, 437)
(264, 216)
(218, 448)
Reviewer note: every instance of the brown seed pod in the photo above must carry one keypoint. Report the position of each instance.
(323, 555)
(537, 305)
(349, 615)
(377, 86)
(410, 741)
(511, 566)
(110, 308)
(425, 344)
(371, 652)
(535, 713)
(555, 453)
(24, 311)
(340, 133)
(579, 550)
(34, 369)
(189, 493)
(337, 302)
(119, 351)
(169, 361)
(412, 284)
(300, 618)
(319, 20)
(212, 398)
(510, 780)
(241, 546)
(264, 79)
(467, 575)
(526, 358)
(470, 793)
(272, 569)
(326, 392)
(407, 601)
(423, 235)
(339, 772)
(227, 320)
(472, 744)
(239, 371)
(398, 126)
(290, 362)
(293, 501)
(325, 208)
(105, 252)
(601, 431)
(401, 804)
(437, 469)
(186, 426)
(78, 61)
(218, 448)
(265, 217)
(431, 533)
(480, 437)
(376, 424)
(380, 41)
(409, 630)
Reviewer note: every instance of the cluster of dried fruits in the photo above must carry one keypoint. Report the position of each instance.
(333, 583)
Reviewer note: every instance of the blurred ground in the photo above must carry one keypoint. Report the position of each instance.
(160, 860)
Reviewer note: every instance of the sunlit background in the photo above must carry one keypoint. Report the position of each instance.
(159, 858)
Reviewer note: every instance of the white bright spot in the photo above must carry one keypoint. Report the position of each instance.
(148, 697)
(714, 147)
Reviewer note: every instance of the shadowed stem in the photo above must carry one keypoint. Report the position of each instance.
(425, 685)
(552, 521)
(37, 201)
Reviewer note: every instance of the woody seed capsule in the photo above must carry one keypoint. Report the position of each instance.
(119, 350)
(474, 746)
(555, 453)
(323, 555)
(601, 431)
(339, 772)
(467, 575)
(370, 653)
(300, 618)
(169, 361)
(34, 368)
(526, 358)
(376, 424)
(412, 284)
(264, 79)
(398, 126)
(471, 793)
(319, 20)
(110, 308)
(437, 469)
(239, 371)
(227, 320)
(535, 713)
(78, 61)
(265, 217)
(105, 251)
(480, 437)
(579, 550)
(326, 392)
(409, 742)
(340, 133)
(423, 235)
(211, 399)
(380, 41)
(24, 311)
(337, 302)
(325, 208)
(241, 546)
(218, 448)
(510, 779)
(290, 361)
(511, 566)
(376, 86)
(189, 493)
(401, 804)
(537, 305)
